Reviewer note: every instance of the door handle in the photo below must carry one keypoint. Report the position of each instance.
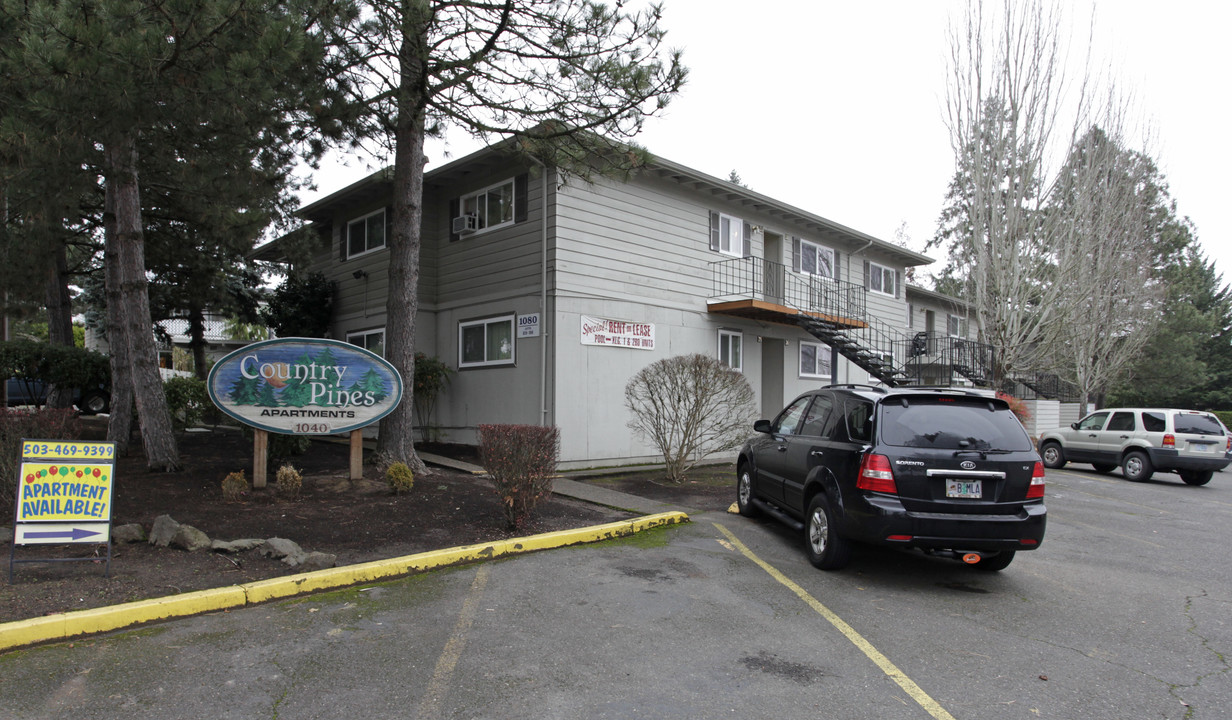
(817, 453)
(782, 448)
(1124, 437)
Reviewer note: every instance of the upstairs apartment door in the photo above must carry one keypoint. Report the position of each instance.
(774, 271)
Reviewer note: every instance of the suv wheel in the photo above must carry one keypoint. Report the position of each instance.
(1137, 467)
(826, 550)
(744, 492)
(1196, 477)
(1052, 455)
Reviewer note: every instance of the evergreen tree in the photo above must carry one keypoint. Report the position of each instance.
(114, 76)
(371, 382)
(245, 391)
(565, 81)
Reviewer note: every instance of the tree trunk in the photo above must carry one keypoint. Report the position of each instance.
(133, 307)
(196, 342)
(397, 439)
(120, 424)
(59, 316)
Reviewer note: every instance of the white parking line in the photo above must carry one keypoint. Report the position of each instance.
(891, 671)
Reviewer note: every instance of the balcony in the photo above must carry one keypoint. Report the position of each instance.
(758, 289)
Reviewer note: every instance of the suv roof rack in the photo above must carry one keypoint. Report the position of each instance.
(858, 386)
(974, 392)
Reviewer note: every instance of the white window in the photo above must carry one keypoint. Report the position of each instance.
(486, 342)
(493, 206)
(731, 235)
(880, 279)
(373, 340)
(910, 316)
(731, 349)
(814, 360)
(366, 234)
(816, 260)
(955, 326)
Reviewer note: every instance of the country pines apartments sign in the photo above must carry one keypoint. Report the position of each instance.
(305, 386)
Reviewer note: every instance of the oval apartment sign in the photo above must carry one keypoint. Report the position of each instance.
(305, 386)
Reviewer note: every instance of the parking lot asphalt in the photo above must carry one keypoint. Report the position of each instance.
(1121, 614)
(64, 626)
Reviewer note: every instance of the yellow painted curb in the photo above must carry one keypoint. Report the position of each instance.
(84, 622)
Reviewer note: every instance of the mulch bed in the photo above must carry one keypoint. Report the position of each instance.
(356, 521)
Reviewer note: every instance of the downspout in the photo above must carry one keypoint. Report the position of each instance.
(834, 352)
(543, 294)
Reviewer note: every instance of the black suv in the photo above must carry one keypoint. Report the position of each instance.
(947, 471)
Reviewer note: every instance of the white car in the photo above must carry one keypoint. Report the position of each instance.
(1140, 441)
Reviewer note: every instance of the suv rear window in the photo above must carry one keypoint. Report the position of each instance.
(1197, 424)
(951, 425)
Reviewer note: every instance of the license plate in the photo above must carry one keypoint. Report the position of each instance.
(964, 489)
(1200, 447)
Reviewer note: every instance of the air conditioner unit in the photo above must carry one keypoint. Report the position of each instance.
(465, 224)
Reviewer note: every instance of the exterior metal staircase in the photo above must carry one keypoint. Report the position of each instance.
(836, 313)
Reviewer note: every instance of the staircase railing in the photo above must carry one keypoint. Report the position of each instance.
(836, 312)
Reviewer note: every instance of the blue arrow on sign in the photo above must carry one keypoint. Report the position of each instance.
(73, 534)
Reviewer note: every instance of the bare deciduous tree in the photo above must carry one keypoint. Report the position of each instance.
(1003, 105)
(690, 407)
(1056, 257)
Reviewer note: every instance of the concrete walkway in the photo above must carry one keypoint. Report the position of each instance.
(567, 487)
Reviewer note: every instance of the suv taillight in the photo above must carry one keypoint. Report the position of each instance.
(1170, 440)
(876, 475)
(1036, 489)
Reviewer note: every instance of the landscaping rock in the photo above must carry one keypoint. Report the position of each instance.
(190, 538)
(315, 561)
(235, 546)
(286, 550)
(129, 533)
(163, 531)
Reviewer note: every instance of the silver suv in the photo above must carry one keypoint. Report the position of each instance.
(1140, 441)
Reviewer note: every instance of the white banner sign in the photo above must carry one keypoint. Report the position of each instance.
(617, 333)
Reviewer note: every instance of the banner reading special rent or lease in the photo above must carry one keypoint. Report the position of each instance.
(617, 333)
(305, 386)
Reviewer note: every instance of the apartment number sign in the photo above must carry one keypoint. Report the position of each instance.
(305, 386)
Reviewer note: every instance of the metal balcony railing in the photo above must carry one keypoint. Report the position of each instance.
(754, 278)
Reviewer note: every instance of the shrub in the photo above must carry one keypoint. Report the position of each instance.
(59, 365)
(234, 487)
(1225, 417)
(187, 399)
(431, 376)
(399, 477)
(689, 406)
(521, 460)
(47, 423)
(289, 481)
(1017, 406)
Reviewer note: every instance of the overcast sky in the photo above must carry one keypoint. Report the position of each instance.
(836, 107)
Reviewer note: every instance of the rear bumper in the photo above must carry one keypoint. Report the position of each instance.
(884, 521)
(1165, 459)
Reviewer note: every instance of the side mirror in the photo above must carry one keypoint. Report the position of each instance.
(762, 426)
(1074, 425)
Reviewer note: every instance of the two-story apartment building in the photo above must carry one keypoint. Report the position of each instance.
(547, 294)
